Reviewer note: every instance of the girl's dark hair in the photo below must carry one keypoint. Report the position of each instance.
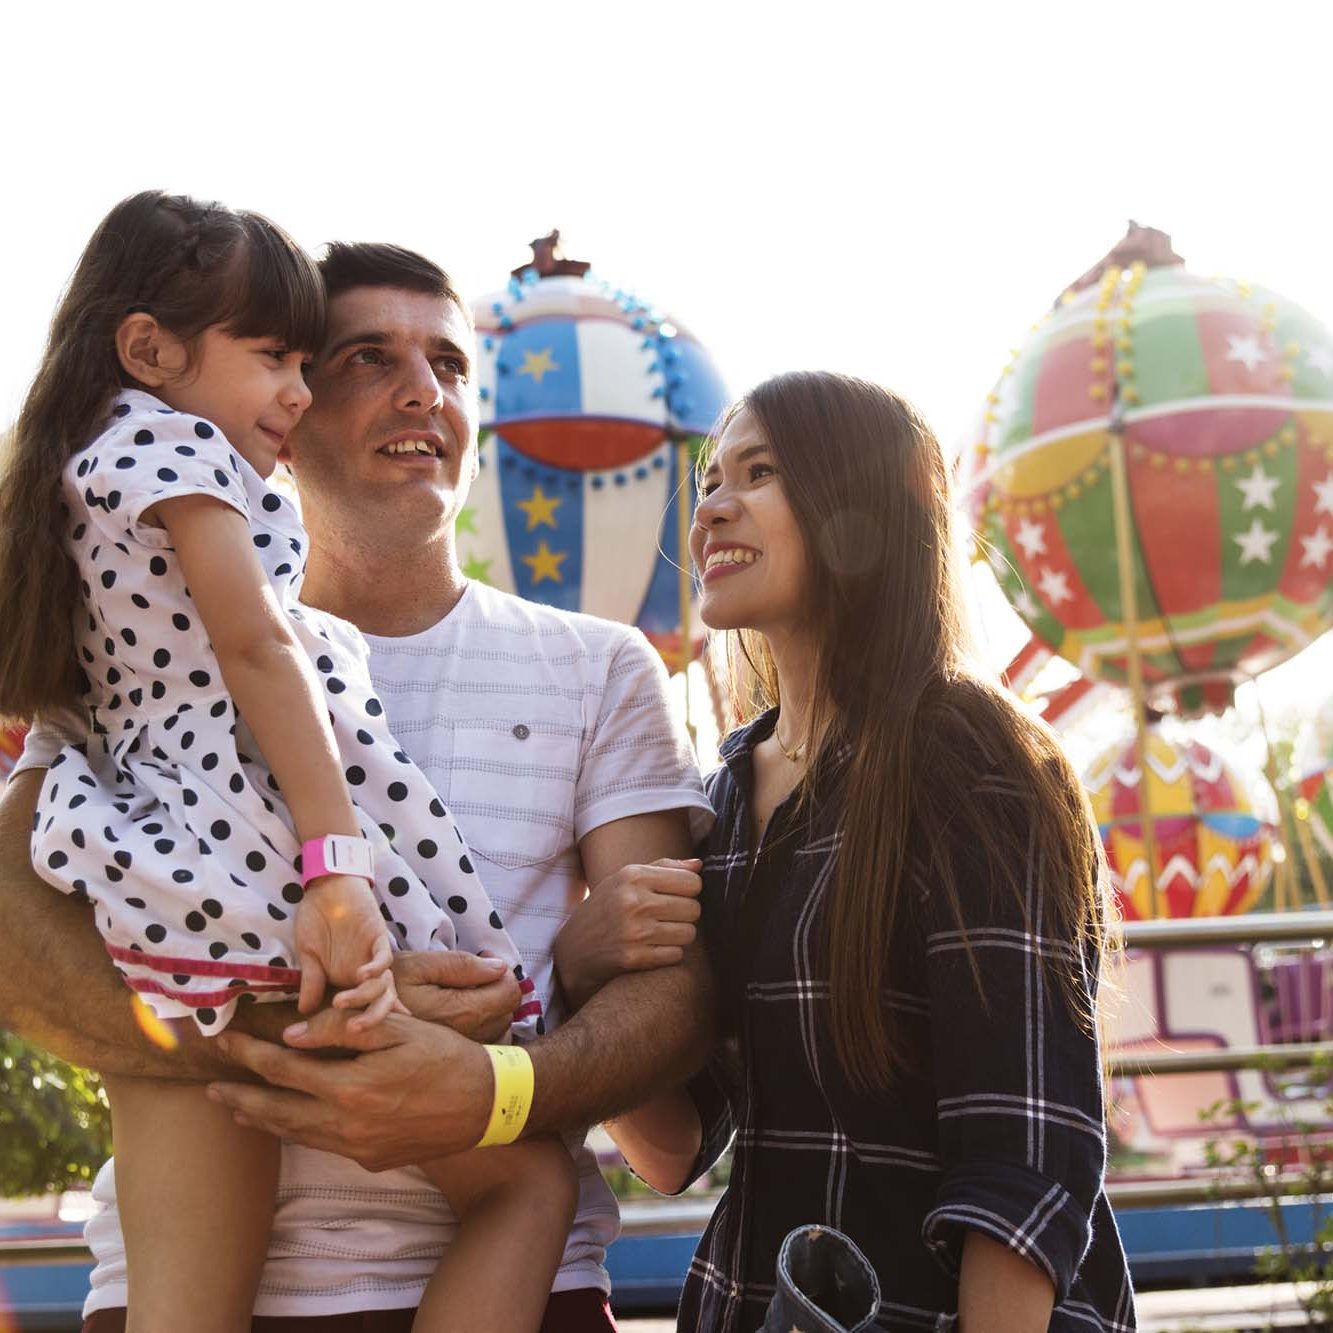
(193, 265)
(923, 734)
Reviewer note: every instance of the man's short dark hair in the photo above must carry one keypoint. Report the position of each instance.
(348, 264)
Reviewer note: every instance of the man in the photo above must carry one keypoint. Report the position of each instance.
(547, 734)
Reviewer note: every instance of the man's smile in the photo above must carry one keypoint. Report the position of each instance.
(417, 448)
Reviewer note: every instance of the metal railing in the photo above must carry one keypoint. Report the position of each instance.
(1202, 932)
(1314, 928)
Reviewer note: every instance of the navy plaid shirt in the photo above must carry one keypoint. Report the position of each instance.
(1000, 1128)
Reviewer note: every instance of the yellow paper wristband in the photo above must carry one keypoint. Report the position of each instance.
(513, 1094)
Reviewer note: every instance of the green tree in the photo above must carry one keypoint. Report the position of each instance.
(55, 1127)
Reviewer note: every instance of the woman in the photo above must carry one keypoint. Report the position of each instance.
(903, 905)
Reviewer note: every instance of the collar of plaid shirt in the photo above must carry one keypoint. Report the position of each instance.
(999, 1128)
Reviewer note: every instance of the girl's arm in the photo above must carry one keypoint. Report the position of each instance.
(268, 674)
(273, 683)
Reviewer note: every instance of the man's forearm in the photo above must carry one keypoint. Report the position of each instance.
(641, 1034)
(58, 986)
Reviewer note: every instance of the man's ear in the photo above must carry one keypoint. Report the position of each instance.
(148, 353)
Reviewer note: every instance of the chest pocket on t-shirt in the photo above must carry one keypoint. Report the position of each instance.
(511, 788)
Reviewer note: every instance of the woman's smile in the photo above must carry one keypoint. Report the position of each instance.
(723, 560)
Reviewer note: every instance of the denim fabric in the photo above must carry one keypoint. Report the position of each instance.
(825, 1285)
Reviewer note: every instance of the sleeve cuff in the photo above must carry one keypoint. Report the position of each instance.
(48, 735)
(650, 801)
(710, 1099)
(1035, 1217)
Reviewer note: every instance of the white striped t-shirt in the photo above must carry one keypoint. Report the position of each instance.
(535, 726)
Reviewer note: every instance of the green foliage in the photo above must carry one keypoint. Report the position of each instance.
(1242, 1159)
(55, 1127)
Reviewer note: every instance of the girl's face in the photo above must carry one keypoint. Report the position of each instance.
(745, 541)
(252, 389)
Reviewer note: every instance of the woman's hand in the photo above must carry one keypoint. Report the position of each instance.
(341, 939)
(638, 918)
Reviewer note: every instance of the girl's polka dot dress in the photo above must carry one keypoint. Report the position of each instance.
(168, 818)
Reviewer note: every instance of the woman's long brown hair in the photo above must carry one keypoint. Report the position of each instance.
(192, 265)
(866, 480)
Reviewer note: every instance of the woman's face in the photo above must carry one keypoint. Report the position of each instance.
(745, 541)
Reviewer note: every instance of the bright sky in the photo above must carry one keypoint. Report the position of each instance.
(895, 190)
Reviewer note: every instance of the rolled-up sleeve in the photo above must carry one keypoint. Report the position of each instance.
(1018, 1077)
(710, 1091)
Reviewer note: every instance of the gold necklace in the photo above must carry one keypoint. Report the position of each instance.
(793, 756)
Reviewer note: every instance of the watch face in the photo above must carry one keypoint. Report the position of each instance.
(350, 855)
(338, 853)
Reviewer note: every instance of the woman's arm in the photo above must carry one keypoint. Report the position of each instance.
(1001, 1292)
(661, 1140)
(1017, 1073)
(636, 918)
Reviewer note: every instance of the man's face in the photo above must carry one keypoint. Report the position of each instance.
(392, 432)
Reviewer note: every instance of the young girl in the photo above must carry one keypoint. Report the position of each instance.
(242, 821)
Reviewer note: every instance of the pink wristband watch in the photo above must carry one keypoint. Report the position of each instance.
(337, 854)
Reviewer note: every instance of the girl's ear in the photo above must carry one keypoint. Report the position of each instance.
(148, 353)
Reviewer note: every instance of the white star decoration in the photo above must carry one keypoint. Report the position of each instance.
(1320, 358)
(1324, 490)
(1245, 350)
(1317, 548)
(1054, 585)
(1024, 605)
(1258, 488)
(1256, 544)
(1032, 538)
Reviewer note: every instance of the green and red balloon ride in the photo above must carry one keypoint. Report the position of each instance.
(1223, 393)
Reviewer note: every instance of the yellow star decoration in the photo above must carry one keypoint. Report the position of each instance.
(546, 563)
(538, 364)
(467, 520)
(540, 508)
(477, 569)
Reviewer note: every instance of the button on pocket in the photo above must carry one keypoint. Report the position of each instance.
(511, 788)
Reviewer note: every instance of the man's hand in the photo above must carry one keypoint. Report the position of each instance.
(475, 996)
(639, 917)
(415, 1092)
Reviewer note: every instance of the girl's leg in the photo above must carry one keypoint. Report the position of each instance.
(514, 1207)
(195, 1192)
